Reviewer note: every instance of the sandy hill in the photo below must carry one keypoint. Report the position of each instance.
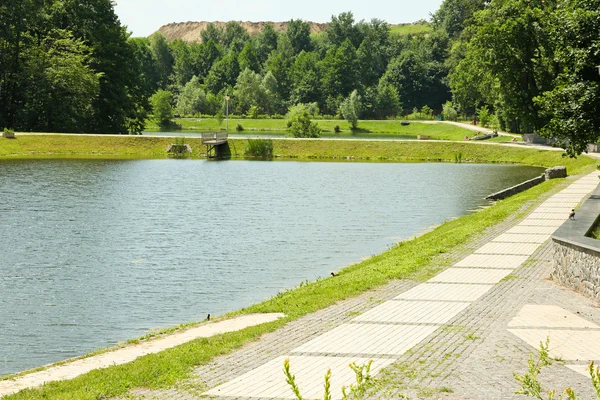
(190, 31)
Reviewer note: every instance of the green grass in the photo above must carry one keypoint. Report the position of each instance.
(411, 29)
(367, 128)
(98, 146)
(412, 259)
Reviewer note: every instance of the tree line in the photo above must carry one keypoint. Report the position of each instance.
(520, 65)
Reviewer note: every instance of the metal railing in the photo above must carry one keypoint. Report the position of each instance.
(214, 137)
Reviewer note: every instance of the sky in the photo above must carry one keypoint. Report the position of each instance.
(144, 17)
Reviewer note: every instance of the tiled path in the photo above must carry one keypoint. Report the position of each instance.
(385, 332)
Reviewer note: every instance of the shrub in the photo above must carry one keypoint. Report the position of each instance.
(337, 129)
(449, 112)
(239, 127)
(301, 126)
(484, 116)
(253, 112)
(259, 148)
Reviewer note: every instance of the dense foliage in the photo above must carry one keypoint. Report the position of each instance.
(67, 65)
(517, 65)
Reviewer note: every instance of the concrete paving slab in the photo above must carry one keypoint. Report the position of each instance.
(549, 316)
(555, 223)
(445, 292)
(368, 339)
(269, 381)
(413, 312)
(501, 261)
(536, 230)
(521, 238)
(548, 215)
(567, 344)
(471, 275)
(525, 249)
(580, 369)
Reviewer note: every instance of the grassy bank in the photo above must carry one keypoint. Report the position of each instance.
(378, 128)
(87, 146)
(412, 259)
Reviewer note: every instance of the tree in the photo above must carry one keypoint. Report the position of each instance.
(212, 33)
(449, 112)
(183, 61)
(298, 32)
(387, 100)
(65, 84)
(161, 107)
(301, 126)
(342, 28)
(266, 42)
(306, 79)
(248, 59)
(223, 73)
(235, 36)
(572, 107)
(162, 57)
(454, 16)
(192, 98)
(338, 71)
(351, 108)
(249, 92)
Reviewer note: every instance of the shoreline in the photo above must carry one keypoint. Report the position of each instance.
(315, 296)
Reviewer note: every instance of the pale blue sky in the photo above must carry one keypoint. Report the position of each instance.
(143, 17)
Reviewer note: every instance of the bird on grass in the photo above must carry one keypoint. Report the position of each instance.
(572, 215)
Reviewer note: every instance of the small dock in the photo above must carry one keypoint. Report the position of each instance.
(216, 144)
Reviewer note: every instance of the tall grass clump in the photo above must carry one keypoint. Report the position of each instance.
(262, 148)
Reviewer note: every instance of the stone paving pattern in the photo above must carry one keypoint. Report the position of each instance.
(469, 352)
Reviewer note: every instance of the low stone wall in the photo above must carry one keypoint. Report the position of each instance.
(511, 191)
(577, 268)
(551, 173)
(576, 256)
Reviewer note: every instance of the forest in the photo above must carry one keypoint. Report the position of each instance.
(523, 65)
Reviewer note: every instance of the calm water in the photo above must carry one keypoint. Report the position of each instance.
(95, 252)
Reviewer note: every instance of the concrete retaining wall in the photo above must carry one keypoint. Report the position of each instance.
(511, 191)
(576, 256)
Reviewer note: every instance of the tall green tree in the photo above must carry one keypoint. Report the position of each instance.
(339, 74)
(266, 42)
(192, 99)
(572, 107)
(298, 32)
(249, 92)
(248, 58)
(342, 28)
(351, 108)
(162, 108)
(223, 73)
(162, 58)
(306, 79)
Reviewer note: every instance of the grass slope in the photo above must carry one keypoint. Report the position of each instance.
(436, 131)
(88, 146)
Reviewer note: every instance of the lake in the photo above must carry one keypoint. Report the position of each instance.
(93, 252)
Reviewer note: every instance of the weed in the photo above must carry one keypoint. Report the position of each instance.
(358, 390)
(259, 148)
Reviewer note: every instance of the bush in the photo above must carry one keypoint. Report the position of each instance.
(337, 129)
(259, 148)
(484, 115)
(449, 112)
(302, 127)
(253, 112)
(239, 127)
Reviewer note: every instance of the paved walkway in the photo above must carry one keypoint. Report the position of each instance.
(460, 335)
(127, 354)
